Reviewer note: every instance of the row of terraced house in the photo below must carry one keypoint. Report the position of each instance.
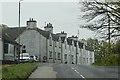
(44, 44)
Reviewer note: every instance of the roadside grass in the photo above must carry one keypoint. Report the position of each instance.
(0, 71)
(111, 60)
(18, 71)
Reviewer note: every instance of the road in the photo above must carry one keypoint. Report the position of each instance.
(71, 71)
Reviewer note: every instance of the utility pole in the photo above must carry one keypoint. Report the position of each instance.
(77, 48)
(109, 35)
(19, 30)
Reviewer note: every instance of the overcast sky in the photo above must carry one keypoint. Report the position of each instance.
(63, 15)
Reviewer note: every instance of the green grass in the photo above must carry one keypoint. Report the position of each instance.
(18, 71)
(0, 71)
(111, 60)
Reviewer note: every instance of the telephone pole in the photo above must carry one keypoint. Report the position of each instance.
(19, 27)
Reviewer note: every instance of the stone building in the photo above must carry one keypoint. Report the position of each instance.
(57, 48)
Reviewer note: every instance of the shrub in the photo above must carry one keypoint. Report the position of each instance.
(111, 60)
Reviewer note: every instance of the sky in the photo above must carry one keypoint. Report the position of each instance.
(63, 14)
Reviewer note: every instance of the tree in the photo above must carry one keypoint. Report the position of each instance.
(3, 26)
(103, 17)
(93, 43)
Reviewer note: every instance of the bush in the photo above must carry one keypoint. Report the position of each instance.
(18, 71)
(111, 60)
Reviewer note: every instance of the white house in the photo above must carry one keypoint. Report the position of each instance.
(44, 44)
(8, 47)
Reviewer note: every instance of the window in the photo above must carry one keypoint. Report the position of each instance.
(87, 60)
(65, 56)
(6, 48)
(72, 57)
(55, 55)
(72, 48)
(50, 42)
(59, 44)
(23, 49)
(91, 60)
(65, 46)
(50, 54)
(58, 56)
(55, 44)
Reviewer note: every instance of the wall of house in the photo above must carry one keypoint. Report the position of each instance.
(43, 47)
(33, 42)
(10, 55)
(92, 56)
(58, 52)
(65, 52)
(50, 50)
(69, 54)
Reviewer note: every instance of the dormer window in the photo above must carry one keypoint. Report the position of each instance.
(50, 54)
(59, 44)
(58, 56)
(65, 46)
(50, 42)
(55, 44)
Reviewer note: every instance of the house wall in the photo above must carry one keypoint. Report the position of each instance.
(58, 52)
(74, 54)
(78, 56)
(35, 43)
(43, 47)
(50, 50)
(69, 54)
(65, 52)
(11, 53)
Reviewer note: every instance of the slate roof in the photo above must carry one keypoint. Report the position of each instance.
(15, 32)
(69, 41)
(44, 33)
(55, 37)
(80, 44)
(7, 38)
(75, 43)
(63, 39)
(88, 48)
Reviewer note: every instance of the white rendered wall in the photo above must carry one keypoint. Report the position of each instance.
(33, 42)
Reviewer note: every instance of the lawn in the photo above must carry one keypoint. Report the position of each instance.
(18, 71)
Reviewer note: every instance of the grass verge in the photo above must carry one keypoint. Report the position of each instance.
(18, 71)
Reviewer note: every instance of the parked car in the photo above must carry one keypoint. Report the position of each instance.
(24, 57)
(33, 58)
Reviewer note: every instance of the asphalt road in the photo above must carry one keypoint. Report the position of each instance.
(71, 71)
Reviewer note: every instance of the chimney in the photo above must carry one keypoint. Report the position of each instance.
(31, 23)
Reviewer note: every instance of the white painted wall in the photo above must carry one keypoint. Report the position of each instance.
(10, 54)
(65, 51)
(50, 49)
(35, 43)
(58, 51)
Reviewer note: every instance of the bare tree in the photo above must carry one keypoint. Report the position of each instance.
(103, 17)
